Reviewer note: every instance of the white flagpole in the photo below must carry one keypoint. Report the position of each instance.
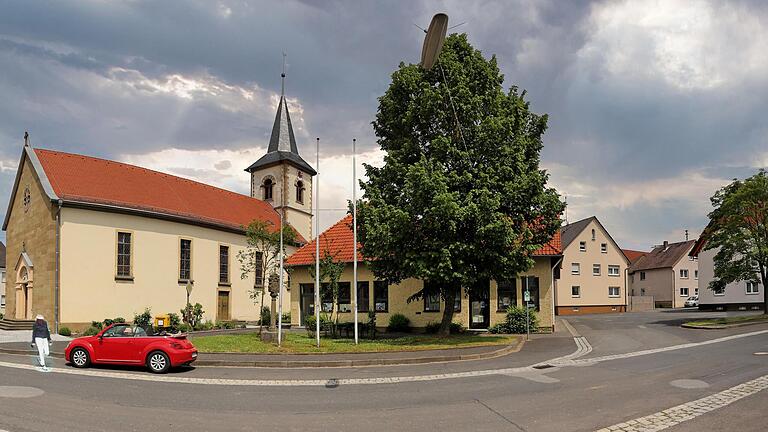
(317, 243)
(280, 291)
(354, 229)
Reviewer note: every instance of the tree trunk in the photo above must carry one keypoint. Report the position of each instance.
(450, 300)
(764, 276)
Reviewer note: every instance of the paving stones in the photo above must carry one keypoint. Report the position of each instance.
(688, 411)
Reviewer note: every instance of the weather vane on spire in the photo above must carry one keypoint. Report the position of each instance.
(282, 76)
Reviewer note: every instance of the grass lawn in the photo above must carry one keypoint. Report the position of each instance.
(301, 343)
(729, 320)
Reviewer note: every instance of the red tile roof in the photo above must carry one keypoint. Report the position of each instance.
(633, 255)
(338, 240)
(84, 179)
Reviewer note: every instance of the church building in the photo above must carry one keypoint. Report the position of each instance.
(89, 238)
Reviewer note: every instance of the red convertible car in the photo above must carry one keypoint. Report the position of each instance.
(131, 345)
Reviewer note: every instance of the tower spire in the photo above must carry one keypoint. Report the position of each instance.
(282, 78)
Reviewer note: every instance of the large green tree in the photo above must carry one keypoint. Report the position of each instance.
(461, 198)
(738, 229)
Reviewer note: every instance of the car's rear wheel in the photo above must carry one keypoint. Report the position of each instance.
(80, 358)
(158, 362)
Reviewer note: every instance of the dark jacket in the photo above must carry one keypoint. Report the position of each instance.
(40, 330)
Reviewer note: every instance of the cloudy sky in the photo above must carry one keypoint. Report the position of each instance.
(653, 104)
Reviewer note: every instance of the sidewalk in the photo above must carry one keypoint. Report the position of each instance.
(7, 336)
(314, 360)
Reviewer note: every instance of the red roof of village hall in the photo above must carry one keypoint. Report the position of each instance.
(338, 241)
(84, 179)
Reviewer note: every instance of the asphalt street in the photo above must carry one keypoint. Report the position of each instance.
(579, 397)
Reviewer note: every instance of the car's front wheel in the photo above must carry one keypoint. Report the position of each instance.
(80, 358)
(158, 362)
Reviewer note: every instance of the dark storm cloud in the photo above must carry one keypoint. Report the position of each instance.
(93, 77)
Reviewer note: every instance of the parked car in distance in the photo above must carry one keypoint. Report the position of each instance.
(127, 344)
(692, 301)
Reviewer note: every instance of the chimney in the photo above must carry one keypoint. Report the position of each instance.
(686, 235)
(666, 244)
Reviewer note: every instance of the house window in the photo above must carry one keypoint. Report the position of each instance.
(506, 295)
(223, 264)
(642, 275)
(457, 302)
(593, 235)
(613, 291)
(432, 303)
(595, 269)
(696, 274)
(300, 192)
(185, 259)
(575, 268)
(695, 291)
(719, 291)
(613, 270)
(268, 185)
(683, 273)
(327, 297)
(683, 292)
(752, 288)
(642, 291)
(2, 300)
(381, 296)
(345, 299)
(604, 247)
(583, 246)
(258, 262)
(576, 291)
(123, 255)
(363, 296)
(3, 276)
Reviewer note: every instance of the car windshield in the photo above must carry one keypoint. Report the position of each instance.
(119, 331)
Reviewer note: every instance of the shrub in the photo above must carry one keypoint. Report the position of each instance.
(265, 316)
(207, 325)
(287, 318)
(399, 323)
(91, 331)
(225, 325)
(98, 324)
(2, 315)
(514, 321)
(457, 328)
(174, 320)
(144, 319)
(432, 327)
(184, 328)
(65, 331)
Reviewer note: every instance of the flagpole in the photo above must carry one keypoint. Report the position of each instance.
(317, 243)
(354, 228)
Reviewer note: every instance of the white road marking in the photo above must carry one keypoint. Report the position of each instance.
(19, 392)
(689, 384)
(688, 411)
(569, 360)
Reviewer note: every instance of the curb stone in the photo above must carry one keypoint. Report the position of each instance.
(509, 349)
(721, 326)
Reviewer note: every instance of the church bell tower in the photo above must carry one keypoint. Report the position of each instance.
(281, 177)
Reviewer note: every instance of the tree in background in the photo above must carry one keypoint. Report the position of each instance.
(262, 254)
(330, 270)
(739, 230)
(461, 198)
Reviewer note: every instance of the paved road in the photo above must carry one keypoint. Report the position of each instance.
(568, 398)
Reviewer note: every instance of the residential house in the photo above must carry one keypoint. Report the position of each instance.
(667, 273)
(744, 295)
(633, 255)
(91, 238)
(481, 311)
(593, 278)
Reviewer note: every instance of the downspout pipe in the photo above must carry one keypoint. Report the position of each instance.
(554, 289)
(56, 280)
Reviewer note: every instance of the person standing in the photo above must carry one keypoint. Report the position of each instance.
(41, 337)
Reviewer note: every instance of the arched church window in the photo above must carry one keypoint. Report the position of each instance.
(268, 185)
(300, 192)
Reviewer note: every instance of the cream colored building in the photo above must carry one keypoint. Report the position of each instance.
(480, 312)
(593, 276)
(89, 239)
(668, 273)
